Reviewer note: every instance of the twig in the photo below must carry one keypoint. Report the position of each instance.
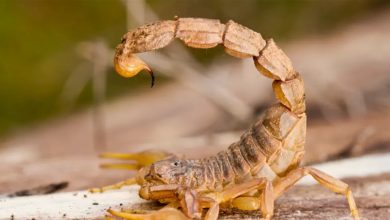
(40, 190)
(101, 62)
(99, 55)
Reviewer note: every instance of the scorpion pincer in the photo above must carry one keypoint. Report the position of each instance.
(251, 173)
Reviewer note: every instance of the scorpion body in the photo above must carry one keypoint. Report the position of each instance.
(257, 154)
(263, 163)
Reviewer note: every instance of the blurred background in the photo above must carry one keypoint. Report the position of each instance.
(61, 100)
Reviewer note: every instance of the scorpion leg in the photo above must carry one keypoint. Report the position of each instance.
(265, 202)
(119, 185)
(212, 205)
(192, 205)
(164, 213)
(322, 178)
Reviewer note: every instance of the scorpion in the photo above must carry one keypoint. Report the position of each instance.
(252, 172)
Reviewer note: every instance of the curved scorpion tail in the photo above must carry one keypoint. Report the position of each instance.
(284, 125)
(239, 41)
(274, 145)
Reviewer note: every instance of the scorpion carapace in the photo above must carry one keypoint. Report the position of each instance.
(252, 172)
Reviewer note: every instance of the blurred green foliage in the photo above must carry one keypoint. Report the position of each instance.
(38, 42)
(38, 39)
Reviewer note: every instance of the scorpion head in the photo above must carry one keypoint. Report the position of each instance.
(168, 171)
(160, 173)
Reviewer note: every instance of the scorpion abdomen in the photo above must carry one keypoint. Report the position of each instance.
(237, 160)
(251, 151)
(270, 148)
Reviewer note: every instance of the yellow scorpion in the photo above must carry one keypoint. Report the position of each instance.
(251, 173)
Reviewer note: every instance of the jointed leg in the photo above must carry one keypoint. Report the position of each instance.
(240, 189)
(192, 205)
(119, 185)
(164, 213)
(212, 205)
(265, 202)
(322, 178)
